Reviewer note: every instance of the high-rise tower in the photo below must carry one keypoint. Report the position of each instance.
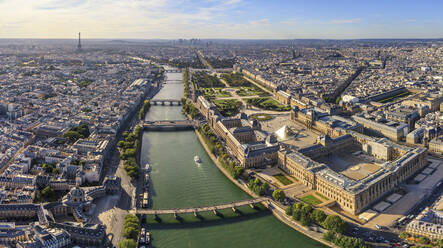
(79, 46)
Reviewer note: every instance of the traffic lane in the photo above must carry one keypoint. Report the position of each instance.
(372, 236)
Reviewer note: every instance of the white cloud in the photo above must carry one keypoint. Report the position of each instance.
(109, 19)
(346, 21)
(260, 22)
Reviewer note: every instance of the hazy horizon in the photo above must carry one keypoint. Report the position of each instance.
(229, 39)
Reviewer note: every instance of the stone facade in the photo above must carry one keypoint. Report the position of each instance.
(353, 196)
(317, 119)
(244, 138)
(428, 223)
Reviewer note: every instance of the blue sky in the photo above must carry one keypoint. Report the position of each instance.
(243, 19)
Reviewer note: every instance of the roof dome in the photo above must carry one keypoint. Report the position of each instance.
(77, 192)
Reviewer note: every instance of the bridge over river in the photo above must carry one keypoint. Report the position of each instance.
(169, 125)
(196, 210)
(173, 71)
(163, 101)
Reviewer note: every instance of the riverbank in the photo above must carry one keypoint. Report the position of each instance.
(274, 207)
(113, 209)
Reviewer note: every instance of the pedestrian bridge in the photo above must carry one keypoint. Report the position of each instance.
(196, 210)
(164, 101)
(169, 125)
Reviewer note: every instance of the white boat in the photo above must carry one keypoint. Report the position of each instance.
(148, 167)
(197, 159)
(148, 237)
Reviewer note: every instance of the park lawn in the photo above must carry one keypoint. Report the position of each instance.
(293, 178)
(321, 196)
(211, 93)
(393, 98)
(267, 103)
(251, 91)
(235, 79)
(261, 117)
(228, 107)
(208, 93)
(223, 93)
(281, 178)
(205, 80)
(310, 199)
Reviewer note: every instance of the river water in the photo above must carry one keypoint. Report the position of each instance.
(177, 181)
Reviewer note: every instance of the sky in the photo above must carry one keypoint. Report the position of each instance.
(230, 19)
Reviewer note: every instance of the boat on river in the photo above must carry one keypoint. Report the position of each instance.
(197, 159)
(148, 167)
(148, 238)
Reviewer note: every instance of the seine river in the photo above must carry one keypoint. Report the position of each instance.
(177, 181)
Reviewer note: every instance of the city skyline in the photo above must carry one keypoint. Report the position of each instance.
(234, 19)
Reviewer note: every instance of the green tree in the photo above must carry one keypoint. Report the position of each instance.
(318, 216)
(72, 135)
(127, 243)
(130, 232)
(265, 187)
(121, 144)
(48, 193)
(238, 170)
(305, 219)
(38, 197)
(306, 209)
(289, 210)
(329, 236)
(335, 223)
(131, 218)
(337, 101)
(423, 240)
(296, 214)
(278, 194)
(299, 205)
(404, 235)
(133, 172)
(131, 227)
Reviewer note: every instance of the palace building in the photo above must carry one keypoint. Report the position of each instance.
(322, 121)
(354, 170)
(244, 138)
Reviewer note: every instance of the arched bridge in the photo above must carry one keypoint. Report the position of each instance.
(174, 70)
(196, 210)
(169, 125)
(163, 101)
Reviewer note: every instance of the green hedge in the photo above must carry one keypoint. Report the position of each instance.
(144, 109)
(128, 151)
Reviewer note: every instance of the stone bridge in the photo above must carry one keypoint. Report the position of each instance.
(163, 101)
(169, 125)
(195, 210)
(174, 71)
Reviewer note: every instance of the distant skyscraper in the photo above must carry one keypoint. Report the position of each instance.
(79, 46)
